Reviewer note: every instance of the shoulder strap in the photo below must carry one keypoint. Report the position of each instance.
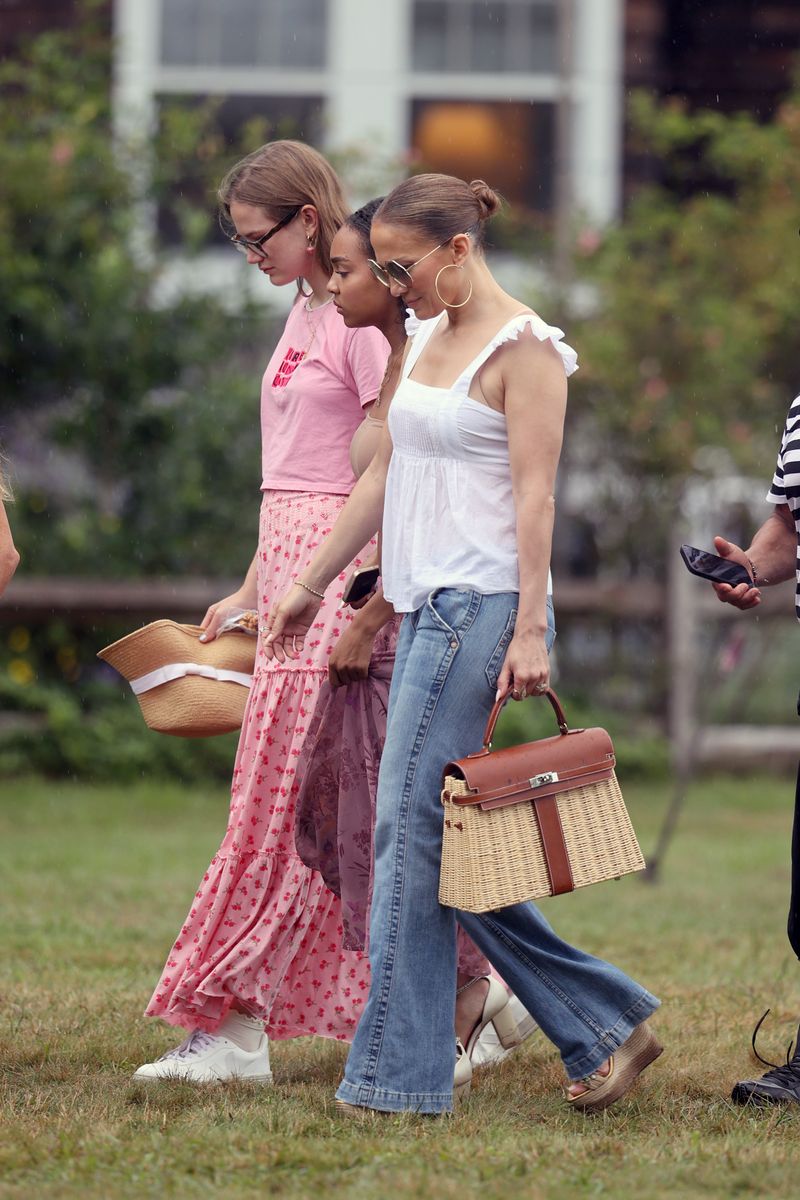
(464, 381)
(418, 343)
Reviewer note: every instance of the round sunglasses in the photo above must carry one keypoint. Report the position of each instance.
(396, 272)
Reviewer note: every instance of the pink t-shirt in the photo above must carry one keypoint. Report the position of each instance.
(311, 399)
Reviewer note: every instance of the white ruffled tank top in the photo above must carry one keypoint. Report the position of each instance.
(449, 519)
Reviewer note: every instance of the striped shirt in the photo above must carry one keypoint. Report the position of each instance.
(786, 484)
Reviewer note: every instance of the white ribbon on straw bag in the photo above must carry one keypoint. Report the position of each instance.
(154, 679)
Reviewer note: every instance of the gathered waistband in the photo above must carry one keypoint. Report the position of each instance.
(279, 498)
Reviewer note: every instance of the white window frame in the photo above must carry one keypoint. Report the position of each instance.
(368, 85)
(515, 10)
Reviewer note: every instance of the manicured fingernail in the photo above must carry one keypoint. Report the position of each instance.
(202, 638)
(497, 695)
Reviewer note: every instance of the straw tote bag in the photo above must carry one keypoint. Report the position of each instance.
(534, 820)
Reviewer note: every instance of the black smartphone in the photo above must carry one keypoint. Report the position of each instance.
(711, 566)
(360, 584)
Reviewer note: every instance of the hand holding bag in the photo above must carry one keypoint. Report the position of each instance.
(534, 820)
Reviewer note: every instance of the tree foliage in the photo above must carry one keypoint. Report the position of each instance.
(133, 421)
(692, 341)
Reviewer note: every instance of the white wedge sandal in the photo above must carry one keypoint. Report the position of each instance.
(499, 1013)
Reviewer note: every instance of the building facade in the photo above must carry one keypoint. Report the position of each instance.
(466, 86)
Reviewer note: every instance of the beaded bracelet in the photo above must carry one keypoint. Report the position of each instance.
(319, 595)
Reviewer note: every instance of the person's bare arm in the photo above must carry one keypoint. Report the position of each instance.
(246, 597)
(351, 655)
(773, 550)
(9, 557)
(535, 417)
(357, 522)
(772, 554)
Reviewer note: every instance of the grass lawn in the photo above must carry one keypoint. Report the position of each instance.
(95, 882)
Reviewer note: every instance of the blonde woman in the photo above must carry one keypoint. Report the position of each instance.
(260, 954)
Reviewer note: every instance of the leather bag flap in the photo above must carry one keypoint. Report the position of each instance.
(536, 769)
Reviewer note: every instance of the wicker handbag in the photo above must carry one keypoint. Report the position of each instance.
(533, 820)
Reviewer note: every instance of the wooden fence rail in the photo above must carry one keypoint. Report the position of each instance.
(682, 606)
(32, 601)
(87, 601)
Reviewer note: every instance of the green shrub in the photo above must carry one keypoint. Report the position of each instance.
(688, 359)
(642, 752)
(135, 426)
(99, 736)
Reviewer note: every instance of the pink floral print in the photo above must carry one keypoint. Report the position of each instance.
(264, 929)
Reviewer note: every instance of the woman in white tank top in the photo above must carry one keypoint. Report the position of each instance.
(463, 481)
(481, 1002)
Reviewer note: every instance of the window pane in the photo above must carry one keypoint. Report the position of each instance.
(180, 26)
(484, 35)
(430, 36)
(507, 143)
(244, 33)
(543, 37)
(238, 45)
(285, 116)
(301, 32)
(258, 118)
(531, 36)
(489, 24)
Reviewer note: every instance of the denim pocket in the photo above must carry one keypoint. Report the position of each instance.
(495, 663)
(452, 610)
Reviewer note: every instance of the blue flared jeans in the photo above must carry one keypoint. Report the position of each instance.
(402, 1058)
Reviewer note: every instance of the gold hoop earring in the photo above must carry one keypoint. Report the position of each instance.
(446, 267)
(312, 244)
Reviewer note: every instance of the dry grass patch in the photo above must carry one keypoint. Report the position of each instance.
(97, 880)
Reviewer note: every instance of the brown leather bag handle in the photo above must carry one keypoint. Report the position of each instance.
(495, 713)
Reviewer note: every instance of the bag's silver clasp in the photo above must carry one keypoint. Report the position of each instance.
(545, 777)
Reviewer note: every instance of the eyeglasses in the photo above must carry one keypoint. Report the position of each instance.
(244, 245)
(395, 271)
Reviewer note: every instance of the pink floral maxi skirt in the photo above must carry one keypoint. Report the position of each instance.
(264, 929)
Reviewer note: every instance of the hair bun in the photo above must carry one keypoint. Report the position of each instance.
(488, 200)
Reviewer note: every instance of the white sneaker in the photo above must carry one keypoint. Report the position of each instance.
(210, 1058)
(489, 1050)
